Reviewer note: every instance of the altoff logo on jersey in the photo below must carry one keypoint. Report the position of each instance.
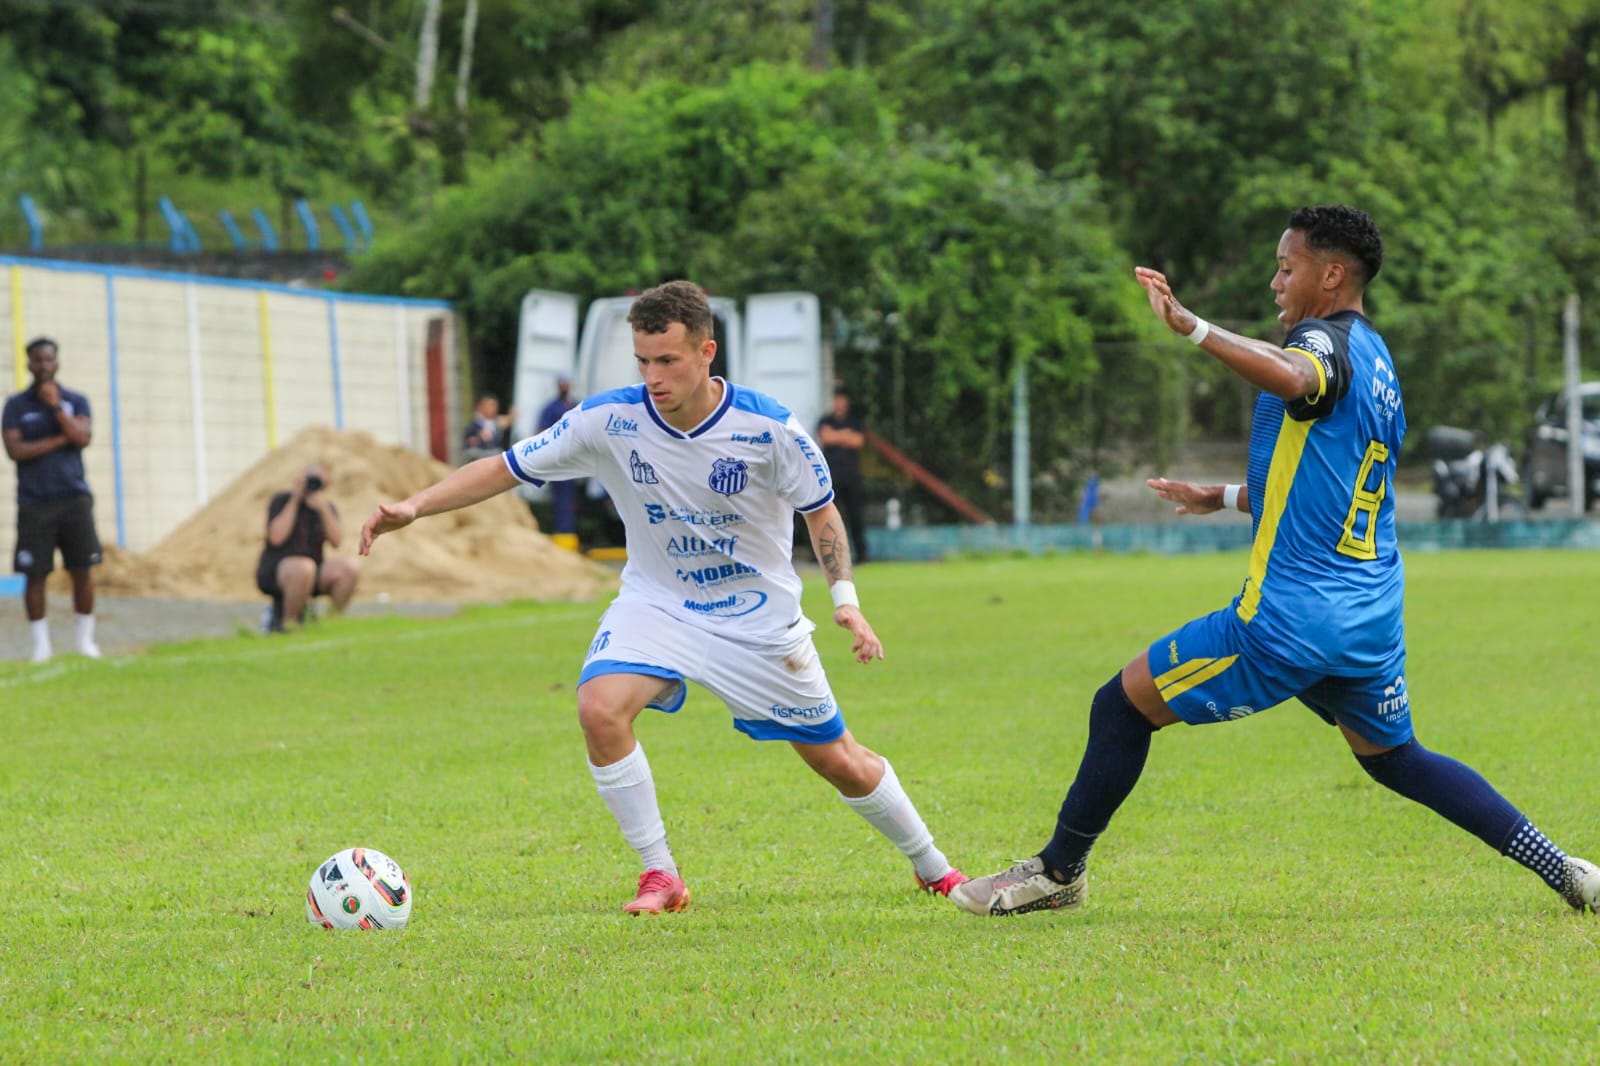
(693, 547)
(643, 472)
(729, 476)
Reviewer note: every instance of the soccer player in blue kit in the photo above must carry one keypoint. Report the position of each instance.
(707, 476)
(1319, 615)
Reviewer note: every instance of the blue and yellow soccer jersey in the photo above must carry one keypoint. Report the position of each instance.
(1326, 583)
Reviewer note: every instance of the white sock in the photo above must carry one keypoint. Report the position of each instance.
(84, 625)
(41, 639)
(889, 810)
(630, 793)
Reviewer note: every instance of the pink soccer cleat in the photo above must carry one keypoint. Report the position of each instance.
(944, 884)
(659, 891)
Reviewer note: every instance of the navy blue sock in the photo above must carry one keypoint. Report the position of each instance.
(1119, 741)
(1460, 794)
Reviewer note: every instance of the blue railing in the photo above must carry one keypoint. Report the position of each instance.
(355, 227)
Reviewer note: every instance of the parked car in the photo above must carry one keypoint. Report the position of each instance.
(1544, 462)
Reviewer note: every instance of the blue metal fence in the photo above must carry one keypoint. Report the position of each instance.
(923, 543)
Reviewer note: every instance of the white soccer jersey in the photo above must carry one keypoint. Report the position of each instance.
(709, 512)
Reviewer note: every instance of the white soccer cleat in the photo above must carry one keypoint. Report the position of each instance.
(1580, 885)
(41, 653)
(89, 649)
(1023, 888)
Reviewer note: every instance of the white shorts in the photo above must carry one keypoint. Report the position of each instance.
(775, 693)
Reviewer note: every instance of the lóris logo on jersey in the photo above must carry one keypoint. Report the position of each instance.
(729, 476)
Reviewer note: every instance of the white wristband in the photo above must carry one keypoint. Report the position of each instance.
(844, 594)
(1201, 328)
(1230, 496)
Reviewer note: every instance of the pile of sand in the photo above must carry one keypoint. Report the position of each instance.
(491, 552)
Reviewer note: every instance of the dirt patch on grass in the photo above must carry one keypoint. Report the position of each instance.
(488, 553)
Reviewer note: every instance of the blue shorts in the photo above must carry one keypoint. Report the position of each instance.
(1208, 672)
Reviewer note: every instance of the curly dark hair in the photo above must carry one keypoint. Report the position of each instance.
(675, 301)
(1338, 228)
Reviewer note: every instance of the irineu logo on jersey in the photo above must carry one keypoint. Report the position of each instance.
(729, 476)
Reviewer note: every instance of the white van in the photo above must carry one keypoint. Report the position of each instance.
(774, 345)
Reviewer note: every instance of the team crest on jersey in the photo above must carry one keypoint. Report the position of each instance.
(729, 476)
(643, 472)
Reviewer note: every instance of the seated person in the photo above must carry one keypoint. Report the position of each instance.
(486, 433)
(292, 570)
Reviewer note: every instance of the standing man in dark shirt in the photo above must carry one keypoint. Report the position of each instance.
(292, 569)
(842, 435)
(563, 494)
(46, 427)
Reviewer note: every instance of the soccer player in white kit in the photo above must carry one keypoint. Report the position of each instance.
(706, 476)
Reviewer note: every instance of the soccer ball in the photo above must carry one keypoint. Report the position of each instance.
(359, 889)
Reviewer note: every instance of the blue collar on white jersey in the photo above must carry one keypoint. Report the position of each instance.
(711, 419)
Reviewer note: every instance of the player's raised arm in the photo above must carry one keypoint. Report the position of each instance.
(1263, 364)
(828, 540)
(470, 484)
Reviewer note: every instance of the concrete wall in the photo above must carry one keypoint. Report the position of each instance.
(192, 379)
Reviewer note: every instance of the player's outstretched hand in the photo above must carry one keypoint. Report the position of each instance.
(386, 519)
(1178, 318)
(867, 646)
(1190, 498)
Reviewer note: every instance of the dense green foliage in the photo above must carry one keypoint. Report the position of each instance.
(1258, 898)
(965, 183)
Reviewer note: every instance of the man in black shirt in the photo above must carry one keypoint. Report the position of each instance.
(292, 570)
(842, 436)
(46, 427)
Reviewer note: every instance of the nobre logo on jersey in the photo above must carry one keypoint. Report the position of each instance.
(729, 476)
(718, 575)
(740, 603)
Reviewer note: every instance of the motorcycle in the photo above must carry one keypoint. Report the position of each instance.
(1473, 481)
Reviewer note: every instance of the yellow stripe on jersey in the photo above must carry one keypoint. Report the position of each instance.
(1322, 376)
(1185, 676)
(1280, 479)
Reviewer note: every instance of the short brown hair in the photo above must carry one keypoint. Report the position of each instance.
(676, 301)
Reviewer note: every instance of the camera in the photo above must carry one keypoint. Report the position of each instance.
(313, 484)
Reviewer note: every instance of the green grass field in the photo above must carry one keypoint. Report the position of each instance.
(1258, 898)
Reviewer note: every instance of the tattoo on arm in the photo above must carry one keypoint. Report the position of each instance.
(833, 551)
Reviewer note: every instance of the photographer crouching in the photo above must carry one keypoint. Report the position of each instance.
(292, 570)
